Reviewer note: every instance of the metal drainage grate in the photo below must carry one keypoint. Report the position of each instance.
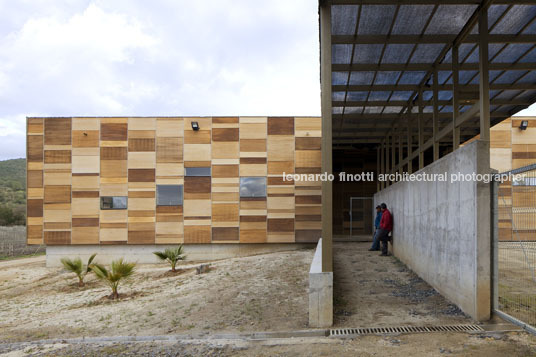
(403, 329)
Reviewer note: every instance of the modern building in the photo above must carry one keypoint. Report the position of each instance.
(144, 182)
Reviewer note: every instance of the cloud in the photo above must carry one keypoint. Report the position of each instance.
(226, 57)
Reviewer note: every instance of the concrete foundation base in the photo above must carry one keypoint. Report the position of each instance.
(320, 292)
(143, 254)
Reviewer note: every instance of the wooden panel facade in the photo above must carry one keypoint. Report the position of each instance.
(76, 165)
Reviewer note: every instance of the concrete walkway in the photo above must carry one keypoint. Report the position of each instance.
(371, 291)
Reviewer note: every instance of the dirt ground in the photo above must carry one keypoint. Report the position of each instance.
(241, 295)
(262, 293)
(375, 291)
(444, 344)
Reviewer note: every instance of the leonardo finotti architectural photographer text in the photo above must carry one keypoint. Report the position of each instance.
(401, 177)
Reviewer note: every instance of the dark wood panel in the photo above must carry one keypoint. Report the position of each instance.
(252, 160)
(57, 237)
(169, 209)
(279, 181)
(113, 153)
(85, 194)
(35, 178)
(197, 185)
(280, 225)
(57, 131)
(114, 131)
(307, 170)
(308, 143)
(57, 194)
(57, 156)
(313, 199)
(141, 175)
(225, 171)
(225, 120)
(308, 235)
(85, 222)
(225, 134)
(34, 207)
(34, 147)
(280, 126)
(141, 237)
(225, 233)
(141, 144)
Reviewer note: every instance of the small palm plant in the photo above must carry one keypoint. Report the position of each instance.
(77, 267)
(120, 270)
(172, 256)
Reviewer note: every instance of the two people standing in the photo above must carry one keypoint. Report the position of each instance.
(383, 225)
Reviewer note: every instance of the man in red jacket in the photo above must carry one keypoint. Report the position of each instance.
(386, 226)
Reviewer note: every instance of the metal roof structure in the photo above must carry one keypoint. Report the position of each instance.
(393, 70)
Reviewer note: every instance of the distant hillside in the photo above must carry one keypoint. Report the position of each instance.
(12, 192)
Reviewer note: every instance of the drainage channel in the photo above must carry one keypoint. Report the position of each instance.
(343, 332)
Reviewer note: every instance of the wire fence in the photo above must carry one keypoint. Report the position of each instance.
(13, 242)
(517, 246)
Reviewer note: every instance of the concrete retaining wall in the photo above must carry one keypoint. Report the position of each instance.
(320, 292)
(442, 229)
(143, 254)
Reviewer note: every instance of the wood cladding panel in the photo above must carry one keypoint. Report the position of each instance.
(57, 237)
(114, 131)
(57, 131)
(225, 234)
(120, 156)
(34, 148)
(57, 194)
(281, 126)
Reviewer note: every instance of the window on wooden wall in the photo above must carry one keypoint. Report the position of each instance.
(197, 171)
(113, 202)
(169, 195)
(253, 187)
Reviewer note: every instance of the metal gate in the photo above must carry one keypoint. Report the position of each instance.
(515, 252)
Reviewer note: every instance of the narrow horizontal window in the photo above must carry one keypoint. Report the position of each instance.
(197, 171)
(253, 187)
(169, 195)
(113, 202)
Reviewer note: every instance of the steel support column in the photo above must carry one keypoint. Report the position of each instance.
(327, 156)
(435, 124)
(455, 98)
(484, 74)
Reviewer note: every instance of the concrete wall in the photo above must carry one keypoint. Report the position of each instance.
(143, 254)
(442, 229)
(320, 292)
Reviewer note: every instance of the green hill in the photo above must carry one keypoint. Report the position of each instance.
(12, 192)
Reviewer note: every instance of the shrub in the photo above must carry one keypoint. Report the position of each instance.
(77, 267)
(172, 256)
(120, 270)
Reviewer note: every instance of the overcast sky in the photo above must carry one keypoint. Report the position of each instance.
(165, 57)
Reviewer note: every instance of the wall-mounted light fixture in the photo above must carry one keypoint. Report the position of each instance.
(195, 125)
(524, 124)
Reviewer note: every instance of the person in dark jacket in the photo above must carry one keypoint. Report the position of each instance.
(386, 226)
(375, 240)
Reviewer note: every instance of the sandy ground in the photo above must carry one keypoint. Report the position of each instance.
(446, 344)
(259, 293)
(379, 291)
(262, 293)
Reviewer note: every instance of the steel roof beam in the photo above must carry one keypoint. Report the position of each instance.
(428, 39)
